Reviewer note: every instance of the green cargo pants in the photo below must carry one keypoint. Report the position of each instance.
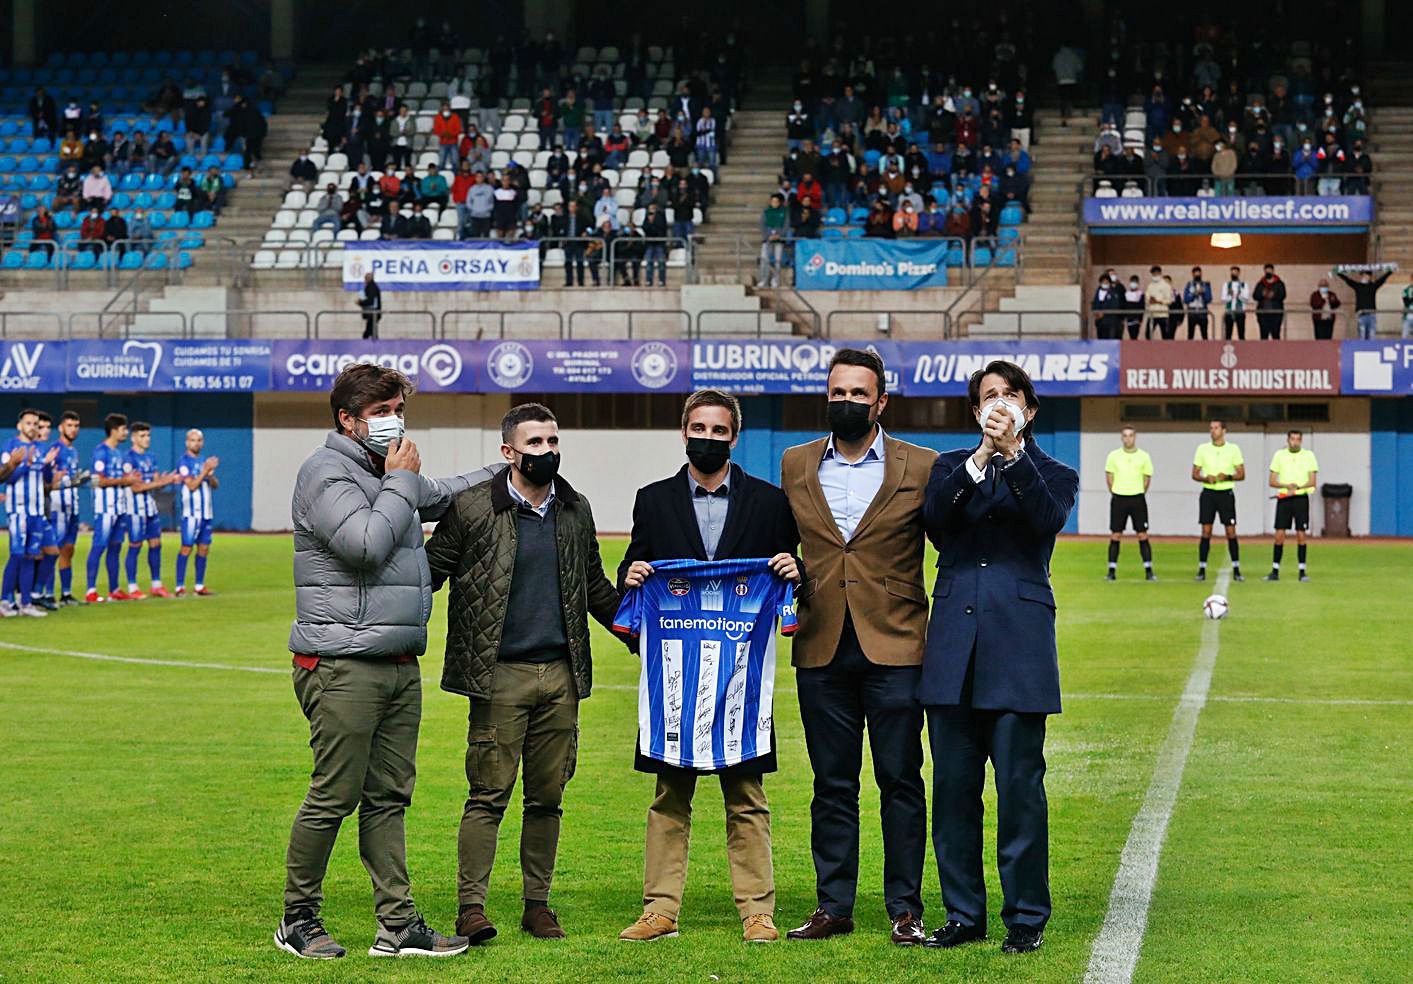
(532, 715)
(363, 719)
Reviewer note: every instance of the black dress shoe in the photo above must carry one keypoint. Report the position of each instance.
(1023, 939)
(954, 934)
(908, 930)
(820, 926)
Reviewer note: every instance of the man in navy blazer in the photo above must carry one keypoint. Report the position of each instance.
(990, 673)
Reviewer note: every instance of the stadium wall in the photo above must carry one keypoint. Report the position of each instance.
(1391, 467)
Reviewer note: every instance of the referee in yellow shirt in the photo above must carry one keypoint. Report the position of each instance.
(1129, 470)
(1218, 465)
(1293, 471)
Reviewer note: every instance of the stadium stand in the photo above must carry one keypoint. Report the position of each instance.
(607, 128)
(153, 143)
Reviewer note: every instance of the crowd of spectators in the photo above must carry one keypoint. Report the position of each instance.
(1157, 307)
(1231, 113)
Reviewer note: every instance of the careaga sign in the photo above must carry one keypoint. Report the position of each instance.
(1218, 368)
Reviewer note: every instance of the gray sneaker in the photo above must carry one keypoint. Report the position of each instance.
(33, 611)
(416, 939)
(307, 938)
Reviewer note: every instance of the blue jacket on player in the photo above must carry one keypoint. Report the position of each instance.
(992, 601)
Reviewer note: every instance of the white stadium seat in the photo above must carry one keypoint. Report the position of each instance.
(274, 237)
(443, 234)
(506, 141)
(289, 259)
(298, 237)
(337, 162)
(638, 158)
(552, 197)
(295, 199)
(348, 235)
(285, 219)
(370, 235)
(306, 218)
(553, 258)
(264, 259)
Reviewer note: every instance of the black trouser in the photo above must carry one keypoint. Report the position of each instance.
(1270, 323)
(836, 702)
(574, 264)
(962, 739)
(1133, 324)
(370, 323)
(1196, 323)
(1324, 326)
(1238, 320)
(401, 156)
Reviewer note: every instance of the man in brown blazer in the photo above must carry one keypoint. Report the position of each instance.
(862, 609)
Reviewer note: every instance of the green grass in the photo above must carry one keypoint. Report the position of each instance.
(147, 808)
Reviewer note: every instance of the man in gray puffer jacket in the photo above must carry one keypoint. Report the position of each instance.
(363, 593)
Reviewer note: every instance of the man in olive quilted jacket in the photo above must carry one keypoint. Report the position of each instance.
(522, 556)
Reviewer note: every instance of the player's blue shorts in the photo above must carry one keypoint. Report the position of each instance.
(108, 530)
(66, 528)
(27, 535)
(195, 531)
(50, 538)
(144, 528)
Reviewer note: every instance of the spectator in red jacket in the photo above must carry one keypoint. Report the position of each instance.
(810, 192)
(967, 129)
(460, 187)
(447, 127)
(91, 232)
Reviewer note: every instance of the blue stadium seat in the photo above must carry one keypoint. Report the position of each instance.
(872, 157)
(831, 232)
(28, 164)
(156, 261)
(1007, 234)
(121, 199)
(132, 181)
(980, 256)
(183, 260)
(203, 220)
(193, 240)
(853, 232)
(1012, 215)
(14, 259)
(212, 160)
(956, 257)
(158, 220)
(167, 200)
(143, 199)
(1006, 258)
(8, 164)
(179, 220)
(132, 260)
(38, 260)
(858, 215)
(154, 182)
(835, 217)
(65, 220)
(41, 145)
(233, 162)
(29, 201)
(83, 261)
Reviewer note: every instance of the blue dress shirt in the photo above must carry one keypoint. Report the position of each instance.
(850, 486)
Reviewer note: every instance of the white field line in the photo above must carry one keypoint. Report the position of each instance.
(1120, 939)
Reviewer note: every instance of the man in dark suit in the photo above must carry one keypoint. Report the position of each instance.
(991, 674)
(395, 224)
(862, 610)
(709, 510)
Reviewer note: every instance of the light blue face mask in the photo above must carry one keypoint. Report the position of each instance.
(382, 431)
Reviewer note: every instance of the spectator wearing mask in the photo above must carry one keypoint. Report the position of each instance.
(1331, 168)
(1204, 139)
(1157, 302)
(91, 233)
(655, 231)
(1359, 167)
(140, 231)
(615, 147)
(70, 150)
(682, 201)
(1134, 301)
(460, 187)
(370, 301)
(958, 223)
(432, 189)
(198, 127)
(1269, 298)
(1366, 290)
(798, 127)
(328, 210)
(164, 154)
(606, 209)
(905, 220)
(1224, 165)
(774, 231)
(1197, 298)
(476, 149)
(1155, 169)
(1236, 298)
(213, 190)
(806, 224)
(68, 192)
(418, 225)
(43, 228)
(403, 132)
(303, 171)
(43, 114)
(95, 151)
(1184, 172)
(1323, 305)
(879, 224)
(394, 224)
(97, 189)
(1106, 306)
(480, 206)
(546, 116)
(985, 217)
(505, 213)
(1408, 308)
(447, 129)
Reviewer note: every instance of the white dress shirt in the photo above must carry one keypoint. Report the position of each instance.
(979, 475)
(850, 486)
(542, 509)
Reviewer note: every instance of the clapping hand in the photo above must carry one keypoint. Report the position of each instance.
(1001, 428)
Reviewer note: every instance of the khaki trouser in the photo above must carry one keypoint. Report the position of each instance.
(532, 715)
(363, 719)
(747, 844)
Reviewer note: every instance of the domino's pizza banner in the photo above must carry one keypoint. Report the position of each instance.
(401, 264)
(870, 264)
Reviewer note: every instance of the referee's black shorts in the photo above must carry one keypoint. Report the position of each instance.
(1214, 503)
(1293, 512)
(1128, 508)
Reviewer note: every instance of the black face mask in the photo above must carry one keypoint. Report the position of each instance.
(539, 469)
(848, 420)
(708, 455)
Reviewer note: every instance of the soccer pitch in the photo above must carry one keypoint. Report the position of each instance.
(147, 806)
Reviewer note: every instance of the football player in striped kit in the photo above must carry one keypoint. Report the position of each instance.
(144, 525)
(198, 477)
(43, 595)
(68, 477)
(112, 477)
(22, 470)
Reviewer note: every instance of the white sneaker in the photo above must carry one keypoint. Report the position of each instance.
(8, 609)
(33, 611)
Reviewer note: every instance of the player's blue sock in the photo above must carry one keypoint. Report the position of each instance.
(200, 571)
(154, 564)
(111, 557)
(44, 577)
(131, 565)
(182, 558)
(66, 580)
(11, 578)
(26, 580)
(95, 557)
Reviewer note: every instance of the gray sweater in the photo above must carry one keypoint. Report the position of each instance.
(362, 587)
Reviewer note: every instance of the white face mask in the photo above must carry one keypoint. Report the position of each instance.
(1016, 413)
(382, 431)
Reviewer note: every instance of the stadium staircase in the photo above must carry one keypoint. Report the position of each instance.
(1391, 145)
(1059, 162)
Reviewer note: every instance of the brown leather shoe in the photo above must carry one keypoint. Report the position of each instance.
(820, 926)
(759, 928)
(908, 930)
(541, 923)
(473, 924)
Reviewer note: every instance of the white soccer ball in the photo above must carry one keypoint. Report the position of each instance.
(1215, 606)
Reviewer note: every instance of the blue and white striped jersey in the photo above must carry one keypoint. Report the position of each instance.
(706, 638)
(110, 463)
(143, 503)
(24, 494)
(65, 499)
(196, 503)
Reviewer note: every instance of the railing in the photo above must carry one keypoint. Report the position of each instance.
(1138, 323)
(1020, 324)
(119, 323)
(396, 317)
(1265, 183)
(499, 316)
(585, 314)
(44, 316)
(736, 321)
(885, 320)
(249, 318)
